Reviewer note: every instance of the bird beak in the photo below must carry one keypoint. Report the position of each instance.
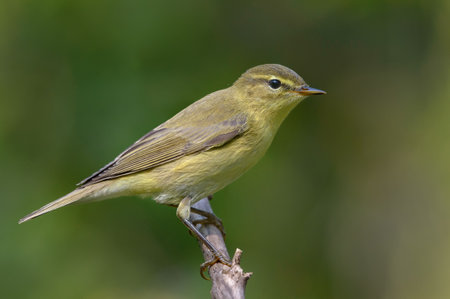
(305, 90)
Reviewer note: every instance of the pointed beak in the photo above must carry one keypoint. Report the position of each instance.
(305, 90)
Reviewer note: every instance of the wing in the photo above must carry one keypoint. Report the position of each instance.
(166, 144)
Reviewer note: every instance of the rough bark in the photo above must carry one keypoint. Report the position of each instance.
(226, 282)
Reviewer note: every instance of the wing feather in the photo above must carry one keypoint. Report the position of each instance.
(166, 144)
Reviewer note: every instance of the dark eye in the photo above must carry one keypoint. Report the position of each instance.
(274, 84)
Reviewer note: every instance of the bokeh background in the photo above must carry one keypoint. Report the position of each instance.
(351, 201)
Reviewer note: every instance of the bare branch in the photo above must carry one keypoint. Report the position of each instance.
(226, 282)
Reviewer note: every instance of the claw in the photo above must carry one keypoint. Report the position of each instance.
(183, 212)
(206, 265)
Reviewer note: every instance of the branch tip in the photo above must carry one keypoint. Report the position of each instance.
(237, 257)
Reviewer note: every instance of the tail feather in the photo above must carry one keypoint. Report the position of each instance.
(76, 195)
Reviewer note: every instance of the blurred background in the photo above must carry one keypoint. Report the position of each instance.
(351, 201)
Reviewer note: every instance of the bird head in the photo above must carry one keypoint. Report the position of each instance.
(273, 88)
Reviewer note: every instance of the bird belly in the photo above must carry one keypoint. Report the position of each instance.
(197, 175)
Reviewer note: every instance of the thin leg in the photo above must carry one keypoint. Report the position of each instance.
(210, 219)
(183, 213)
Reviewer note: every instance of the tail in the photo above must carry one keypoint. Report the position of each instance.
(74, 196)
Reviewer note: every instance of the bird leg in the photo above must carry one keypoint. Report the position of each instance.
(210, 218)
(183, 213)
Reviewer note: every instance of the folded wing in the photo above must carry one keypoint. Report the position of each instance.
(166, 144)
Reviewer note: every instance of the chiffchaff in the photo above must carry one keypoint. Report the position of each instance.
(201, 149)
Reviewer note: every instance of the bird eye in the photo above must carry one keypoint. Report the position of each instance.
(274, 84)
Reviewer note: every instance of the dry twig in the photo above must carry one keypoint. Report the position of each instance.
(226, 282)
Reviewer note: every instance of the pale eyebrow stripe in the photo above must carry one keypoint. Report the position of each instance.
(268, 77)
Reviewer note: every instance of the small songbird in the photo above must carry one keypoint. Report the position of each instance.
(201, 149)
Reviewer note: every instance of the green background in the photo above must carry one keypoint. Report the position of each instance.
(351, 201)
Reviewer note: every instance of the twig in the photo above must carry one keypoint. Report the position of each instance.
(226, 282)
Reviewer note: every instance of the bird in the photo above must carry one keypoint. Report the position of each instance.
(201, 149)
